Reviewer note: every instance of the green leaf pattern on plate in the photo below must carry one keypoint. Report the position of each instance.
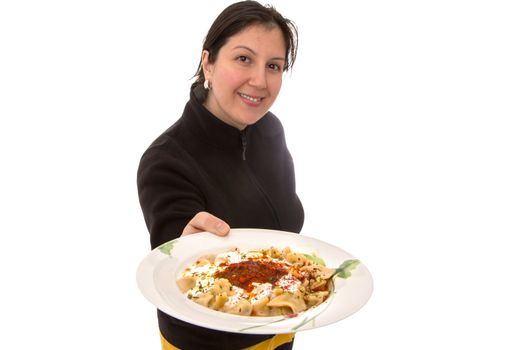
(315, 259)
(166, 247)
(345, 269)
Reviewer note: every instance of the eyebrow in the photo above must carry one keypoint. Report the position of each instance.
(255, 53)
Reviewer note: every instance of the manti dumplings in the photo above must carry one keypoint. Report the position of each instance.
(266, 282)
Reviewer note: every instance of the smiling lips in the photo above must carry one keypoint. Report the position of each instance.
(251, 99)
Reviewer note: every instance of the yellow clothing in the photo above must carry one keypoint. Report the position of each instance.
(268, 344)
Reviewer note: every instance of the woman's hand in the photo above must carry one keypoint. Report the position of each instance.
(204, 221)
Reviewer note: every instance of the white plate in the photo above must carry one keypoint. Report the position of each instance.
(158, 272)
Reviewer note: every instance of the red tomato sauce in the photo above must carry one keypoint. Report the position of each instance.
(244, 273)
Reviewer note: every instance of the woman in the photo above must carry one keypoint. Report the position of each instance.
(225, 161)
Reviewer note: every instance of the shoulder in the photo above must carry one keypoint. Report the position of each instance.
(165, 154)
(270, 126)
(166, 143)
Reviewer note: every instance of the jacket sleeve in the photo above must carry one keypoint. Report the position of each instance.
(168, 197)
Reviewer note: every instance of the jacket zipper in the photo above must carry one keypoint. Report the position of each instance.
(244, 142)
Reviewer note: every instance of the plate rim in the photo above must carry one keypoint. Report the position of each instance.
(147, 285)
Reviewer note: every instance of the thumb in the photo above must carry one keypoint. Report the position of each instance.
(204, 221)
(221, 228)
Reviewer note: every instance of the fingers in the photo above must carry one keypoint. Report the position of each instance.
(204, 221)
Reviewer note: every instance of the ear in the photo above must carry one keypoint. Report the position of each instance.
(207, 67)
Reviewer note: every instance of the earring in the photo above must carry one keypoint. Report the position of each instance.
(206, 85)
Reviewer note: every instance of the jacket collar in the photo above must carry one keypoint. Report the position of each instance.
(204, 125)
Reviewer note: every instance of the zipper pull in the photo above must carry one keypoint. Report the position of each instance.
(244, 144)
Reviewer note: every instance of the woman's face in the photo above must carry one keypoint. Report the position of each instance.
(246, 76)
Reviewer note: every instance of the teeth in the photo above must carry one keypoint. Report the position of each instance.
(253, 99)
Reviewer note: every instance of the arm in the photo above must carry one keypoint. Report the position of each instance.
(171, 202)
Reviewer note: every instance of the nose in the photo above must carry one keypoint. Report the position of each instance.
(258, 77)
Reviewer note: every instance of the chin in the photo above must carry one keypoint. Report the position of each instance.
(245, 119)
(253, 120)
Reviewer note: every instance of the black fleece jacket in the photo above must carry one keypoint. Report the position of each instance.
(244, 177)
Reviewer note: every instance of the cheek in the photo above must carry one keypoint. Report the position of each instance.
(274, 85)
(230, 79)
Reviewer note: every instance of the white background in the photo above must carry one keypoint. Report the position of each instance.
(405, 120)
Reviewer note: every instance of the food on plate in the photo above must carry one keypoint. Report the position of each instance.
(265, 282)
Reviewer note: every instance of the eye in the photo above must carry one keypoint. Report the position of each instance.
(274, 67)
(243, 59)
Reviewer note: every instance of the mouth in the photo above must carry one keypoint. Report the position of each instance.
(251, 99)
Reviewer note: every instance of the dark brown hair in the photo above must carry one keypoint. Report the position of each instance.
(238, 17)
